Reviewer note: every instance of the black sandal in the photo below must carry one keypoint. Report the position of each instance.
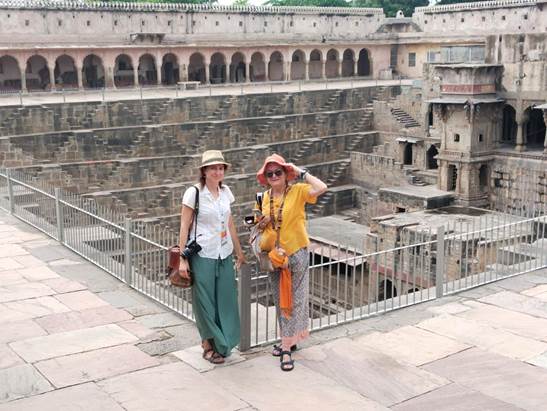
(286, 365)
(276, 351)
(214, 358)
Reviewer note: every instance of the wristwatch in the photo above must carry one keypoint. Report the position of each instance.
(303, 174)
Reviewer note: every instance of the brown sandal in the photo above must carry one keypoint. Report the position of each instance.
(214, 358)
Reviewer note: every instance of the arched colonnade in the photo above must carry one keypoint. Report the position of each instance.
(97, 69)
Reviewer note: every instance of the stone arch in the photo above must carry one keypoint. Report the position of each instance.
(217, 68)
(257, 68)
(275, 66)
(348, 65)
(509, 131)
(315, 65)
(298, 65)
(483, 177)
(196, 68)
(93, 72)
(147, 70)
(10, 75)
(364, 64)
(170, 70)
(535, 128)
(237, 68)
(408, 157)
(65, 72)
(432, 152)
(331, 63)
(452, 178)
(124, 75)
(37, 73)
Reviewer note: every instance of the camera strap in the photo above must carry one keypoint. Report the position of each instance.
(196, 211)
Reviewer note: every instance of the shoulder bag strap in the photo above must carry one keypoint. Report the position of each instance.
(196, 211)
(276, 223)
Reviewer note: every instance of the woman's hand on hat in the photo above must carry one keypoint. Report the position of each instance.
(296, 169)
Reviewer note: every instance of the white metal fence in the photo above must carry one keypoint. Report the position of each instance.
(345, 284)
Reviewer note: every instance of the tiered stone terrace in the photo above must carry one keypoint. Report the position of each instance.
(137, 157)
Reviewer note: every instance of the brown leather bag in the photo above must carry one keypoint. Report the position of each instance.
(173, 269)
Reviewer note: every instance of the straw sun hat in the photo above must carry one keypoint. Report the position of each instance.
(212, 157)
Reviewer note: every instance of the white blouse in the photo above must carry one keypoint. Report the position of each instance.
(213, 232)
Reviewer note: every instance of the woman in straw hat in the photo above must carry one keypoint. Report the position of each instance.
(214, 292)
(284, 236)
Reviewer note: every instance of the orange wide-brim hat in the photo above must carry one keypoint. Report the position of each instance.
(277, 159)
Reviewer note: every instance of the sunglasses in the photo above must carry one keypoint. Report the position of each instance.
(277, 173)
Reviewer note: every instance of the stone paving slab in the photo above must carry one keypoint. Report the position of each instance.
(300, 389)
(19, 330)
(29, 261)
(386, 381)
(511, 381)
(540, 360)
(454, 397)
(160, 320)
(518, 302)
(94, 365)
(419, 347)
(167, 387)
(8, 358)
(539, 292)
(518, 323)
(86, 397)
(75, 320)
(21, 381)
(193, 357)
(71, 342)
(138, 330)
(8, 263)
(38, 273)
(91, 277)
(11, 250)
(9, 277)
(37, 307)
(481, 335)
(62, 285)
(24, 291)
(81, 300)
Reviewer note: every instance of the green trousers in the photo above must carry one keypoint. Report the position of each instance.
(214, 300)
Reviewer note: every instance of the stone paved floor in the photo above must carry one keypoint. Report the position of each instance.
(72, 337)
(164, 92)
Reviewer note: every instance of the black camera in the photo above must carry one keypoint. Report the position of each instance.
(192, 248)
(249, 219)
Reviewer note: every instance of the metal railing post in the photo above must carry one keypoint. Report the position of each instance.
(439, 275)
(10, 192)
(244, 291)
(127, 240)
(59, 216)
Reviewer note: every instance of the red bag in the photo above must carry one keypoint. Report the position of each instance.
(173, 269)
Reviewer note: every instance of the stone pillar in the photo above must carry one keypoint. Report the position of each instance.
(339, 68)
(226, 73)
(323, 71)
(521, 145)
(183, 72)
(545, 141)
(307, 70)
(267, 70)
(207, 68)
(247, 76)
(23, 79)
(136, 75)
(158, 74)
(109, 77)
(355, 67)
(287, 73)
(80, 77)
(51, 78)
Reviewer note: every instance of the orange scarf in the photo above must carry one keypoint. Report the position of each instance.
(280, 260)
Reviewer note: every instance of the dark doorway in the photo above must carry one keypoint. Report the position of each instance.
(452, 177)
(431, 160)
(509, 133)
(535, 129)
(363, 65)
(407, 157)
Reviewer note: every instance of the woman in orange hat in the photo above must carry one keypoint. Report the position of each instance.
(214, 292)
(284, 236)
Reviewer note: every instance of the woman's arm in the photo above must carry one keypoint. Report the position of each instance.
(240, 257)
(186, 218)
(318, 187)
